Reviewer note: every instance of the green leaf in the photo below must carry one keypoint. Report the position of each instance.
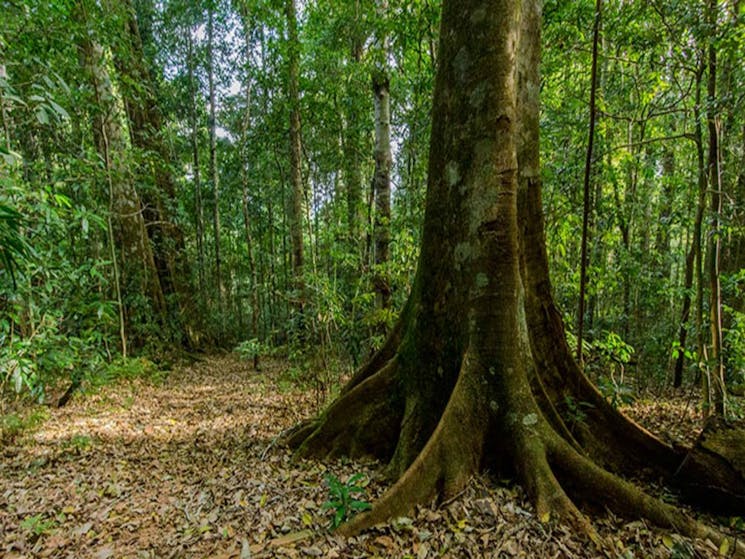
(15, 99)
(62, 83)
(10, 157)
(339, 517)
(61, 112)
(355, 478)
(62, 200)
(42, 116)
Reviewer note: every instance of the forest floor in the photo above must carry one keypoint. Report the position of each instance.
(188, 468)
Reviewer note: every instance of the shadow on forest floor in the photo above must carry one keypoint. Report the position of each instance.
(188, 469)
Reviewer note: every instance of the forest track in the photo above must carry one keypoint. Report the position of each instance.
(187, 468)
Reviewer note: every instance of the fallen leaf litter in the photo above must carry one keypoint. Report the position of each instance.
(188, 468)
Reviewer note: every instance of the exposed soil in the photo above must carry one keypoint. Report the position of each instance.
(189, 468)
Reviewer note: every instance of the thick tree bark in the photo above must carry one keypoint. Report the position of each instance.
(135, 262)
(159, 203)
(474, 374)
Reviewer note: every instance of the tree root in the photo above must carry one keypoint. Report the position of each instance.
(490, 415)
(381, 357)
(364, 421)
(543, 488)
(444, 466)
(606, 429)
(548, 466)
(594, 484)
(591, 483)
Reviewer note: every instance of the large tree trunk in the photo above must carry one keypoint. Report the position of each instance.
(136, 269)
(159, 203)
(476, 371)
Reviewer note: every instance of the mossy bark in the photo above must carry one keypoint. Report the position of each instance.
(475, 373)
(135, 270)
(159, 203)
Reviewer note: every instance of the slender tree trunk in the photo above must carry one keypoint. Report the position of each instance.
(588, 172)
(273, 289)
(295, 210)
(716, 394)
(194, 139)
(245, 199)
(699, 240)
(250, 247)
(693, 258)
(214, 169)
(733, 133)
(3, 114)
(112, 247)
(382, 176)
(663, 259)
(662, 238)
(628, 220)
(735, 253)
(352, 145)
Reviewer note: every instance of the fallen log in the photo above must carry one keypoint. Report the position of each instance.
(712, 475)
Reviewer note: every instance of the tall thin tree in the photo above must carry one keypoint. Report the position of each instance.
(297, 194)
(214, 170)
(383, 160)
(693, 257)
(716, 391)
(587, 178)
(196, 167)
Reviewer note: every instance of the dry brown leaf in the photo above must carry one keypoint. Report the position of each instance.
(188, 469)
(291, 538)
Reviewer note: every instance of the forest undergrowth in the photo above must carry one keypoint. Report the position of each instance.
(189, 467)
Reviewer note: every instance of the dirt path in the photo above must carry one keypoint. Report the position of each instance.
(148, 471)
(187, 469)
